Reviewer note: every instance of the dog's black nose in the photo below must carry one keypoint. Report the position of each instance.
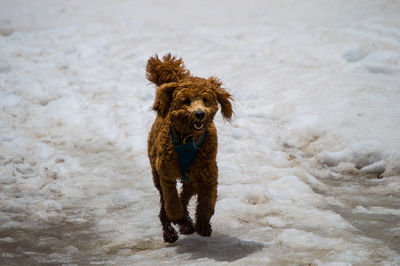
(199, 114)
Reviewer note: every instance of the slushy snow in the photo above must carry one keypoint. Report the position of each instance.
(309, 168)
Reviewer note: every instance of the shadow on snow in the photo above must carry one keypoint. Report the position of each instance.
(219, 247)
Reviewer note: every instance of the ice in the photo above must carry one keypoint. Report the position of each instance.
(6, 27)
(377, 210)
(25, 170)
(365, 156)
(309, 168)
(355, 54)
(7, 239)
(291, 190)
(7, 175)
(43, 151)
(368, 157)
(300, 239)
(8, 100)
(375, 168)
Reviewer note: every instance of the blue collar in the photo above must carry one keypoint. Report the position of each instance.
(187, 150)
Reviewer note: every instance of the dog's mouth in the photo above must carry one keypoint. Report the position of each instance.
(198, 125)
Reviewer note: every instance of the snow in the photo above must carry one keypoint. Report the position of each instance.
(309, 168)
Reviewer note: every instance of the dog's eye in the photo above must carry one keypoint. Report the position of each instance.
(186, 101)
(205, 100)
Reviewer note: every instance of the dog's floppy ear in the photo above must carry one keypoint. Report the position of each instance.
(164, 98)
(223, 97)
(170, 69)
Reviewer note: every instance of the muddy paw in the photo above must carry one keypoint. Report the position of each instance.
(170, 235)
(186, 227)
(203, 229)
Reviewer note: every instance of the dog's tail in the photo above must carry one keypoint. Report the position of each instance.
(170, 69)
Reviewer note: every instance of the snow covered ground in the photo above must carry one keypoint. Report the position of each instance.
(317, 121)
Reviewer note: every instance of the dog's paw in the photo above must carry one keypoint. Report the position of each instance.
(170, 235)
(186, 227)
(203, 229)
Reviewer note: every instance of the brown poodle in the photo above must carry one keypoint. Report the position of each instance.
(182, 143)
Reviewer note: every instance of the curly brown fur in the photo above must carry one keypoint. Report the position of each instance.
(168, 70)
(188, 104)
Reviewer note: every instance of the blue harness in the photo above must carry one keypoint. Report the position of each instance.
(187, 152)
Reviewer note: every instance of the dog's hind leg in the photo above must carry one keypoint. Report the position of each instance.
(169, 233)
(186, 224)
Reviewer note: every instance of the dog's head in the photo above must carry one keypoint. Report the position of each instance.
(190, 102)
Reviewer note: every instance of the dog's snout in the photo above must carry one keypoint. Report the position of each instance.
(200, 114)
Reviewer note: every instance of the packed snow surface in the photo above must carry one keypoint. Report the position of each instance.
(309, 168)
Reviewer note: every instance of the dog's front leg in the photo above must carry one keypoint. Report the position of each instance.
(186, 224)
(207, 197)
(173, 206)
